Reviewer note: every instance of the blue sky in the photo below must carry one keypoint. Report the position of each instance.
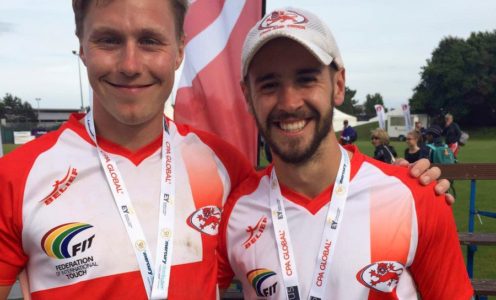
(384, 44)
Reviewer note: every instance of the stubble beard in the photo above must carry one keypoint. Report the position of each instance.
(294, 155)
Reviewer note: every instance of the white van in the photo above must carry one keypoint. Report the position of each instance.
(396, 128)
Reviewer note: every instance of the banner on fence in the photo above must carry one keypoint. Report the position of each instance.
(22, 137)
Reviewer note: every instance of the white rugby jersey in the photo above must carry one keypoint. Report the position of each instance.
(397, 239)
(58, 218)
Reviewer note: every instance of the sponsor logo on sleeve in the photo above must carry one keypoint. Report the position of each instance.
(60, 186)
(70, 241)
(206, 220)
(263, 282)
(382, 276)
(255, 232)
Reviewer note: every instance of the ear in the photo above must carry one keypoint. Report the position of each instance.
(81, 54)
(339, 86)
(246, 92)
(180, 52)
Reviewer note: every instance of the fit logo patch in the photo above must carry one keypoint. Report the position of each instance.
(260, 280)
(58, 242)
(60, 186)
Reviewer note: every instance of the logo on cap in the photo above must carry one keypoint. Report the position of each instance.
(279, 19)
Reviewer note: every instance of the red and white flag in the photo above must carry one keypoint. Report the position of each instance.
(209, 96)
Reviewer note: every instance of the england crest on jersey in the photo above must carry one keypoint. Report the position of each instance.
(381, 276)
(206, 220)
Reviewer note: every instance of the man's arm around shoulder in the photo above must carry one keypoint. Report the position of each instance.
(438, 267)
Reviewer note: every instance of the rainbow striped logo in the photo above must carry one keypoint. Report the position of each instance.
(56, 242)
(257, 277)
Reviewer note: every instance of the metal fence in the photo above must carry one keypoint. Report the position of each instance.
(7, 130)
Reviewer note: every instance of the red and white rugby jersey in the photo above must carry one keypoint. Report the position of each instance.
(58, 218)
(397, 239)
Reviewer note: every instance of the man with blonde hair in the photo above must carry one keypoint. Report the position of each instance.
(120, 203)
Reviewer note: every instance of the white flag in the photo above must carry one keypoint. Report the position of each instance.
(406, 114)
(381, 115)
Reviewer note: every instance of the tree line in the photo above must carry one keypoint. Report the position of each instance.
(14, 110)
(459, 78)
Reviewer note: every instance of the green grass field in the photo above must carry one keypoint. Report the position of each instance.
(480, 148)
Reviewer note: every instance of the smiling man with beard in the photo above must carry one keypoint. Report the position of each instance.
(326, 221)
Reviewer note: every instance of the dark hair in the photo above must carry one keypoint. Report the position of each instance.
(80, 8)
(434, 130)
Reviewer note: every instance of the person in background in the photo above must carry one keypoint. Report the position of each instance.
(451, 133)
(436, 150)
(415, 152)
(421, 133)
(348, 135)
(383, 151)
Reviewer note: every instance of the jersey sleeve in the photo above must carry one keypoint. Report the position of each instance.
(225, 273)
(12, 258)
(438, 267)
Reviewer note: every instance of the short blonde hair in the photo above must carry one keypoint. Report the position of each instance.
(80, 8)
(382, 135)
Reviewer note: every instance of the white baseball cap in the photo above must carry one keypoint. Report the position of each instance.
(296, 24)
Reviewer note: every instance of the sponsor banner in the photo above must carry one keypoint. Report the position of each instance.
(22, 137)
(381, 115)
(406, 115)
(209, 96)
